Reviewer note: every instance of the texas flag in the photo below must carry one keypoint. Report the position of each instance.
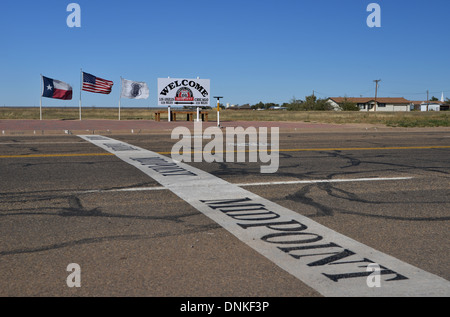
(53, 88)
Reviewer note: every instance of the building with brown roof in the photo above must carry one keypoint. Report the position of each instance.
(370, 104)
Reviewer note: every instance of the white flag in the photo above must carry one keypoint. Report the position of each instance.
(134, 89)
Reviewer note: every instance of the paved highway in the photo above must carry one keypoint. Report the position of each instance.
(65, 200)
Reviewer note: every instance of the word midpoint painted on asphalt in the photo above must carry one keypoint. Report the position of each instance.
(213, 151)
(296, 240)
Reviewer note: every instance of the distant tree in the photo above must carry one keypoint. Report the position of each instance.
(347, 105)
(312, 103)
(434, 99)
(323, 105)
(259, 105)
(294, 104)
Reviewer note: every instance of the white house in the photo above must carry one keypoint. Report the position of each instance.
(370, 104)
(431, 106)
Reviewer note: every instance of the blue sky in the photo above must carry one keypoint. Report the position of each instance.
(264, 50)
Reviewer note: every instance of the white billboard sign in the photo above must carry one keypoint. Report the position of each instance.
(183, 92)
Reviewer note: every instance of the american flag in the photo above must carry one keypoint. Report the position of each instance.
(96, 84)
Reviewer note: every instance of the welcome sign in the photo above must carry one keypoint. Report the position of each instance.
(183, 91)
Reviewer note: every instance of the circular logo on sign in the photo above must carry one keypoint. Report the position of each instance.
(184, 94)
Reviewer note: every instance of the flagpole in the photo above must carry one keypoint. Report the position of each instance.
(40, 103)
(120, 94)
(81, 87)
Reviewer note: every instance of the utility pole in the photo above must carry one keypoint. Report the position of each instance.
(376, 92)
(427, 99)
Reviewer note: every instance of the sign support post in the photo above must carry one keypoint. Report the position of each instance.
(218, 110)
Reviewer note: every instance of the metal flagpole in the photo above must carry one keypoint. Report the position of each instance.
(81, 87)
(198, 110)
(168, 110)
(119, 106)
(120, 92)
(40, 103)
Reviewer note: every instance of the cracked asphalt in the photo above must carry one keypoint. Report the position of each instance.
(59, 207)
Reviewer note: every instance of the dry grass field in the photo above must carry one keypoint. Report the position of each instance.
(392, 119)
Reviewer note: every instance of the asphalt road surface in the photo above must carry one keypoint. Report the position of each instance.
(65, 200)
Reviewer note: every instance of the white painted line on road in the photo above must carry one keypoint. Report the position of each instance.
(312, 181)
(327, 261)
(132, 189)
